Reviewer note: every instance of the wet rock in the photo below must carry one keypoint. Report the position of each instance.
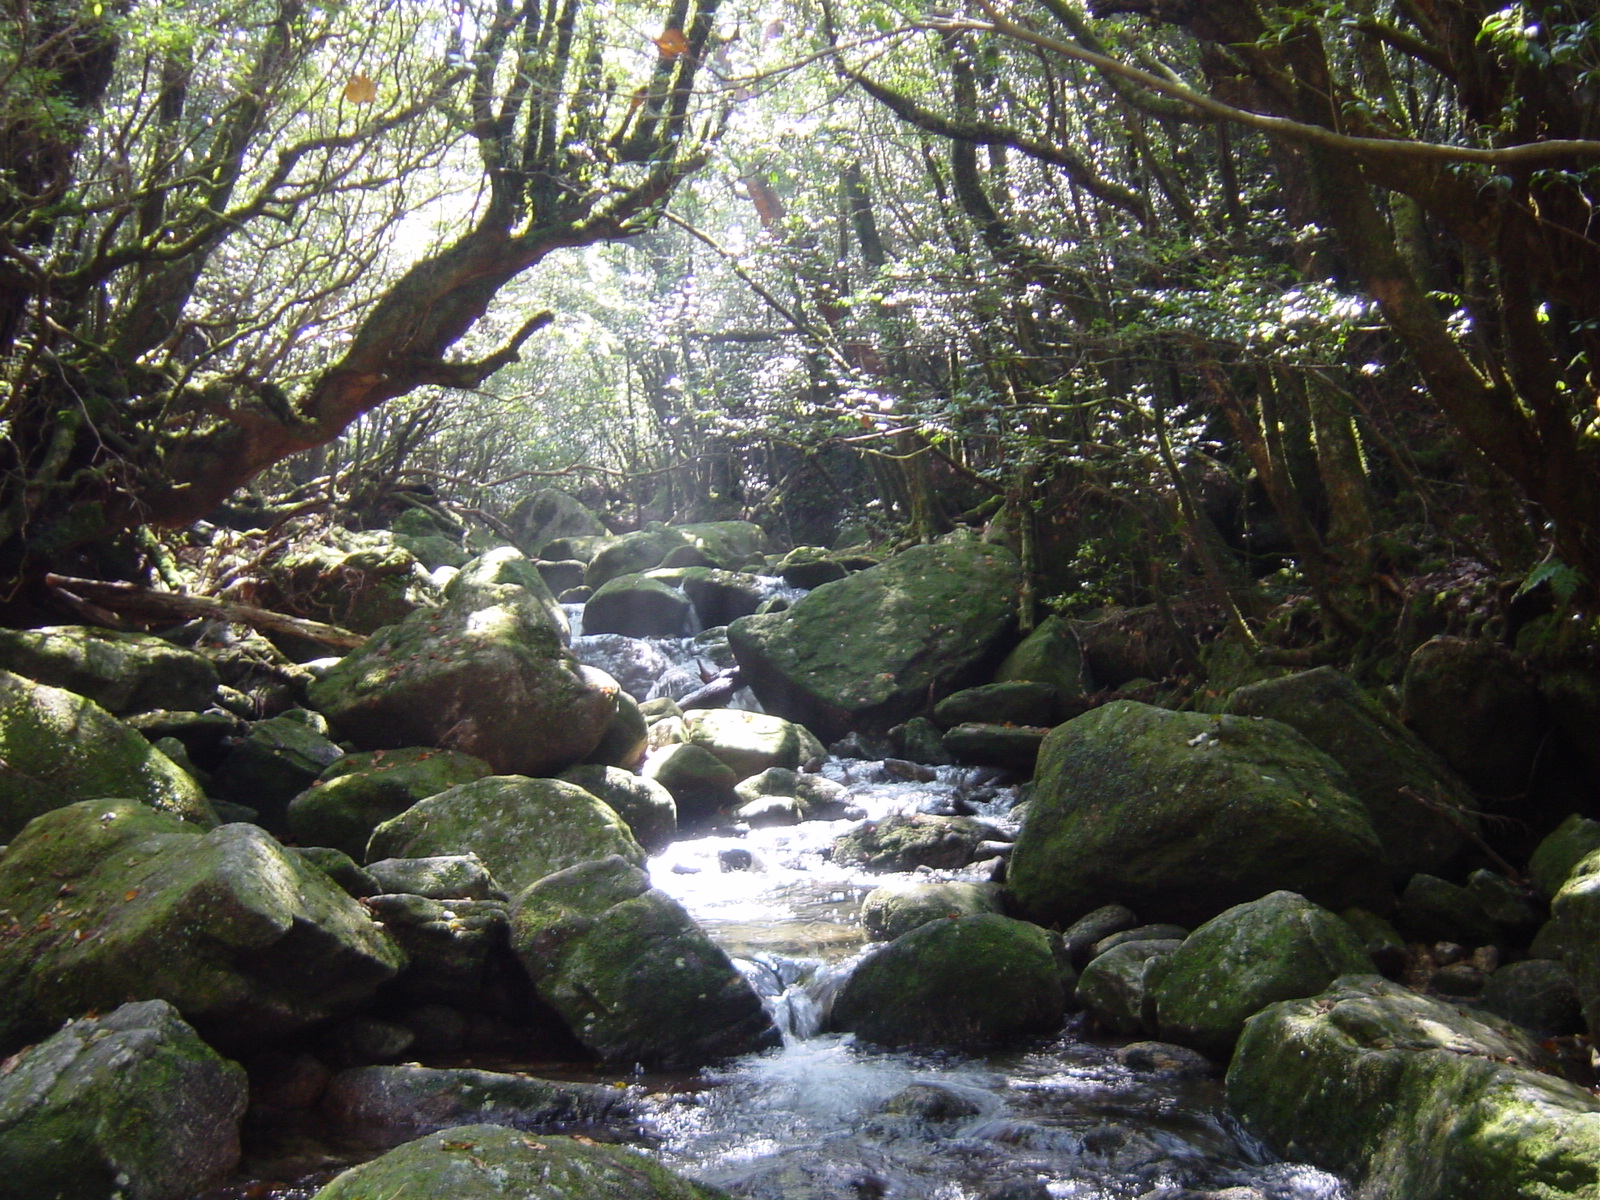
(932, 1104)
(1435, 910)
(626, 738)
(121, 672)
(1386, 763)
(1112, 987)
(490, 1162)
(132, 1104)
(633, 663)
(1181, 815)
(767, 812)
(888, 912)
(389, 1105)
(644, 804)
(968, 981)
(735, 858)
(1086, 932)
(1410, 1096)
(921, 741)
(637, 606)
(1014, 747)
(1164, 1058)
(868, 651)
(1563, 849)
(543, 516)
(59, 747)
(447, 943)
(1281, 947)
(522, 829)
(721, 596)
(631, 973)
(359, 792)
(700, 783)
(440, 877)
(1536, 994)
(1016, 1189)
(750, 742)
(906, 841)
(276, 761)
(108, 899)
(1050, 655)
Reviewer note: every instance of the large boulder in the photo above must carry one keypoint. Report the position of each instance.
(131, 1104)
(108, 900)
(1410, 1096)
(1396, 777)
(1014, 702)
(700, 784)
(632, 553)
(361, 791)
(505, 575)
(726, 544)
(750, 742)
(887, 912)
(362, 580)
(1181, 815)
(1475, 704)
(522, 829)
(646, 806)
(868, 651)
(541, 518)
(1281, 947)
(492, 1162)
(486, 674)
(637, 606)
(969, 981)
(272, 764)
(631, 973)
(59, 747)
(121, 672)
(1050, 654)
(721, 596)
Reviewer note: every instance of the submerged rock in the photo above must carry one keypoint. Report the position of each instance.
(132, 1104)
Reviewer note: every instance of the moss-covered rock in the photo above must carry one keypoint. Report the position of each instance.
(626, 738)
(1410, 1096)
(721, 596)
(359, 792)
(272, 764)
(750, 742)
(631, 973)
(1113, 987)
(871, 650)
(548, 514)
(1435, 910)
(632, 554)
(1575, 914)
(1014, 747)
(448, 945)
(361, 581)
(888, 912)
(121, 672)
(1050, 655)
(637, 606)
(1014, 702)
(132, 1105)
(1181, 815)
(810, 567)
(648, 808)
(59, 747)
(1563, 849)
(438, 877)
(969, 981)
(110, 900)
(730, 545)
(489, 1162)
(503, 576)
(522, 829)
(1390, 771)
(1281, 947)
(700, 783)
(906, 841)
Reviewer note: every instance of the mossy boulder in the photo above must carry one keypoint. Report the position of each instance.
(626, 738)
(1575, 915)
(132, 1104)
(721, 596)
(121, 672)
(750, 742)
(700, 783)
(1280, 947)
(505, 575)
(637, 606)
(360, 791)
(1563, 849)
(1181, 815)
(448, 946)
(109, 901)
(1015, 702)
(1114, 985)
(1013, 747)
(647, 807)
(538, 519)
(1050, 655)
(490, 1162)
(726, 544)
(632, 554)
(272, 764)
(59, 747)
(1410, 1096)
(486, 674)
(631, 973)
(361, 581)
(810, 567)
(868, 651)
(969, 981)
(906, 841)
(522, 829)
(888, 912)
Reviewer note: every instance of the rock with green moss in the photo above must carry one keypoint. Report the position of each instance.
(810, 567)
(548, 514)
(121, 672)
(1390, 771)
(906, 841)
(272, 764)
(1013, 747)
(1014, 702)
(1410, 1096)
(448, 945)
(506, 576)
(132, 1104)
(491, 1162)
(1181, 815)
(59, 747)
(1280, 947)
(721, 596)
(361, 581)
(637, 606)
(750, 742)
(632, 554)
(969, 981)
(626, 738)
(1114, 986)
(1563, 849)
(107, 900)
(647, 807)
(730, 545)
(1049, 655)
(887, 912)
(867, 652)
(1575, 914)
(700, 783)
(630, 972)
(359, 792)
(486, 674)
(522, 828)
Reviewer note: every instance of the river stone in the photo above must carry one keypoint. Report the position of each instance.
(360, 791)
(59, 747)
(919, 740)
(637, 606)
(1575, 915)
(887, 912)
(632, 554)
(906, 841)
(1435, 910)
(439, 877)
(522, 829)
(1538, 995)
(448, 945)
(121, 672)
(543, 516)
(646, 806)
(730, 545)
(1112, 986)
(110, 899)
(964, 982)
(1089, 930)
(1563, 849)
(486, 675)
(1180, 815)
(1015, 702)
(341, 868)
(389, 1105)
(1139, 933)
(492, 1162)
(1050, 655)
(721, 596)
(358, 580)
(1280, 947)
(631, 973)
(132, 1104)
(1410, 1096)
(1382, 758)
(1014, 747)
(867, 652)
(276, 761)
(810, 567)
(636, 665)
(505, 575)
(750, 742)
(700, 783)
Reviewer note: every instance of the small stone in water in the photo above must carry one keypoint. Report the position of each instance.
(736, 858)
(684, 869)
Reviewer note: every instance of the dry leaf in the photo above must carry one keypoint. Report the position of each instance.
(360, 89)
(131, 894)
(672, 43)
